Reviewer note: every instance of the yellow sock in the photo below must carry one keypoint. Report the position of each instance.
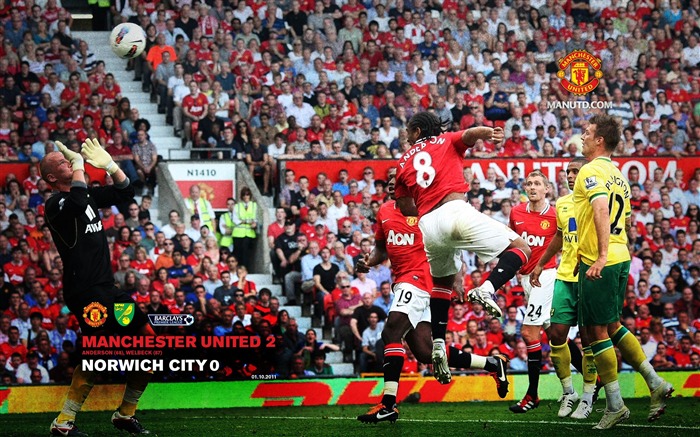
(629, 347)
(632, 353)
(135, 385)
(80, 387)
(561, 358)
(590, 373)
(605, 360)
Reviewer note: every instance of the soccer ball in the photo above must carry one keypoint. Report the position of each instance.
(128, 40)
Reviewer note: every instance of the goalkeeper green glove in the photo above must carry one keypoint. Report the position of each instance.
(98, 157)
(75, 159)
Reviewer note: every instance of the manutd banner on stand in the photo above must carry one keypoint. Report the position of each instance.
(217, 181)
(550, 167)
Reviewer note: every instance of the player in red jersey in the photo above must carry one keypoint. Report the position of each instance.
(399, 239)
(536, 222)
(430, 184)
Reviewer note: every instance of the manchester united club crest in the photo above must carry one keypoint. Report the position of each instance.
(411, 221)
(584, 70)
(544, 224)
(95, 314)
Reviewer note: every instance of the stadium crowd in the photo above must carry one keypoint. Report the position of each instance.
(266, 81)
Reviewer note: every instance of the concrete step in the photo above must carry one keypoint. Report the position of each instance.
(171, 142)
(140, 99)
(260, 278)
(294, 311)
(334, 357)
(343, 369)
(160, 132)
(276, 289)
(177, 154)
(305, 323)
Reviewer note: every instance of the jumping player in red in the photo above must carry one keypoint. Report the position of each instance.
(398, 238)
(430, 184)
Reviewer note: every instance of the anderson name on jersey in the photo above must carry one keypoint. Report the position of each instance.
(404, 245)
(432, 169)
(537, 229)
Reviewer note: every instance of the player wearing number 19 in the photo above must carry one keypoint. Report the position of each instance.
(430, 184)
(602, 207)
(409, 315)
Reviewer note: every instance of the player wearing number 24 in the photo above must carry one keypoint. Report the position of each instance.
(430, 184)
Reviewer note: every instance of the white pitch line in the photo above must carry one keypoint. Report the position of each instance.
(538, 422)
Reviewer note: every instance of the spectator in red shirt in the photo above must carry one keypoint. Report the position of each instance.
(458, 323)
(482, 346)
(193, 110)
(13, 345)
(513, 146)
(48, 311)
(495, 332)
(16, 267)
(682, 354)
(142, 294)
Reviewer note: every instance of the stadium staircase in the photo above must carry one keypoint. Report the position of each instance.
(170, 147)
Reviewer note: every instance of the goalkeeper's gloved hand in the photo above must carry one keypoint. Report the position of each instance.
(98, 157)
(75, 159)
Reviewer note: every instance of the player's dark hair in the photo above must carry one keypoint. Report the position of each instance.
(579, 160)
(430, 125)
(608, 128)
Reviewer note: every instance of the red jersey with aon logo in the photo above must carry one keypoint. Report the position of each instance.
(537, 229)
(404, 244)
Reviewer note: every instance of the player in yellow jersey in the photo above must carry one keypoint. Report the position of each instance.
(565, 306)
(602, 209)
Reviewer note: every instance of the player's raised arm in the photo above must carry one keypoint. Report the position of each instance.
(471, 135)
(122, 190)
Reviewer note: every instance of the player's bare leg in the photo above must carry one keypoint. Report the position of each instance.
(124, 418)
(632, 352)
(394, 353)
(509, 262)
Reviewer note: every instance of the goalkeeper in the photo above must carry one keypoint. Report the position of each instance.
(73, 217)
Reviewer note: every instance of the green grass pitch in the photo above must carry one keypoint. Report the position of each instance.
(682, 419)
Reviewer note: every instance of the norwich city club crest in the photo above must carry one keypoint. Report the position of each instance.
(580, 63)
(124, 313)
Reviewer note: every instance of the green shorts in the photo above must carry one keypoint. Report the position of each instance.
(601, 301)
(565, 303)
